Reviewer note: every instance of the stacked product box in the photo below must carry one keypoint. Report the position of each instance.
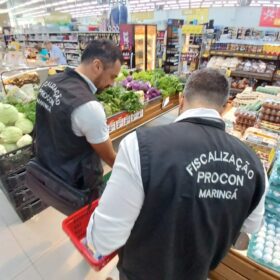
(264, 246)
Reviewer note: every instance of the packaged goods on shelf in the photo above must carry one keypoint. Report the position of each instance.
(264, 143)
(22, 79)
(264, 246)
(270, 111)
(219, 62)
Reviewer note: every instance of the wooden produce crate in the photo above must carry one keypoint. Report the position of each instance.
(236, 266)
(152, 110)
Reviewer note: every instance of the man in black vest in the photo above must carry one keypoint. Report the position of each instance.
(180, 194)
(71, 128)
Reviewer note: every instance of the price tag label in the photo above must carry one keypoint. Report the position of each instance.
(228, 73)
(165, 102)
(127, 119)
(111, 126)
(120, 123)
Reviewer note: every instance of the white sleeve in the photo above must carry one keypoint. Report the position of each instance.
(110, 225)
(89, 120)
(255, 221)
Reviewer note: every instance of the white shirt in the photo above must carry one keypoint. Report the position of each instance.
(89, 119)
(111, 223)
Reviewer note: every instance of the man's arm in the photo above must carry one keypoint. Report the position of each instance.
(105, 151)
(255, 221)
(89, 120)
(119, 207)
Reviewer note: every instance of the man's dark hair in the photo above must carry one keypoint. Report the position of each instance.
(208, 85)
(38, 47)
(104, 50)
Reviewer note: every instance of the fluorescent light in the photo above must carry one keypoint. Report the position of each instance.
(26, 4)
(3, 2)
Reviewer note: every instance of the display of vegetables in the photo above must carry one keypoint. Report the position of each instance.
(118, 99)
(14, 129)
(149, 91)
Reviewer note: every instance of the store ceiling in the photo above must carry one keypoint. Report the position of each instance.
(77, 8)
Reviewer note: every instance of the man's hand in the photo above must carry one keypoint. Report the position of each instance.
(106, 151)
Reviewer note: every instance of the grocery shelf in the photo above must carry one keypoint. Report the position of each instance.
(252, 75)
(246, 55)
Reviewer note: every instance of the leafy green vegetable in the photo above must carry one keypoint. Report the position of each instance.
(2, 150)
(10, 135)
(8, 114)
(28, 109)
(170, 85)
(24, 141)
(2, 126)
(118, 99)
(149, 76)
(10, 147)
(25, 125)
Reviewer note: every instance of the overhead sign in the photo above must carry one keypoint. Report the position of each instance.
(270, 17)
(142, 16)
(192, 29)
(58, 18)
(199, 16)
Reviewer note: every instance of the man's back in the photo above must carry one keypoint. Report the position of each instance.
(196, 200)
(58, 148)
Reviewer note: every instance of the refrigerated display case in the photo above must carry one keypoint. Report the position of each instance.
(173, 42)
(151, 46)
(138, 45)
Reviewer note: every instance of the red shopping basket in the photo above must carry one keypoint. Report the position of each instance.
(75, 227)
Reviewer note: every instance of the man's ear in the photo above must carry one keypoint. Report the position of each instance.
(181, 102)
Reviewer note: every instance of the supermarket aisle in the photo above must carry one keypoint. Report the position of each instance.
(39, 249)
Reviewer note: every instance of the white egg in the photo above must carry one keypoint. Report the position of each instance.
(271, 227)
(268, 251)
(276, 262)
(260, 240)
(269, 238)
(269, 244)
(277, 248)
(276, 255)
(259, 246)
(262, 234)
(270, 206)
(257, 254)
(267, 258)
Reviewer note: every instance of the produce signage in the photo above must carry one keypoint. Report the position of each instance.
(58, 18)
(142, 16)
(270, 17)
(197, 16)
(192, 29)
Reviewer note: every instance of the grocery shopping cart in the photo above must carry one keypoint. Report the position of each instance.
(75, 227)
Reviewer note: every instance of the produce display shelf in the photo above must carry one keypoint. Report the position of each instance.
(152, 111)
(236, 266)
(258, 76)
(246, 55)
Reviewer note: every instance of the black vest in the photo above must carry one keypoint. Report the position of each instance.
(200, 185)
(57, 147)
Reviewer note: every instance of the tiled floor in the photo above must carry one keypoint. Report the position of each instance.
(39, 249)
